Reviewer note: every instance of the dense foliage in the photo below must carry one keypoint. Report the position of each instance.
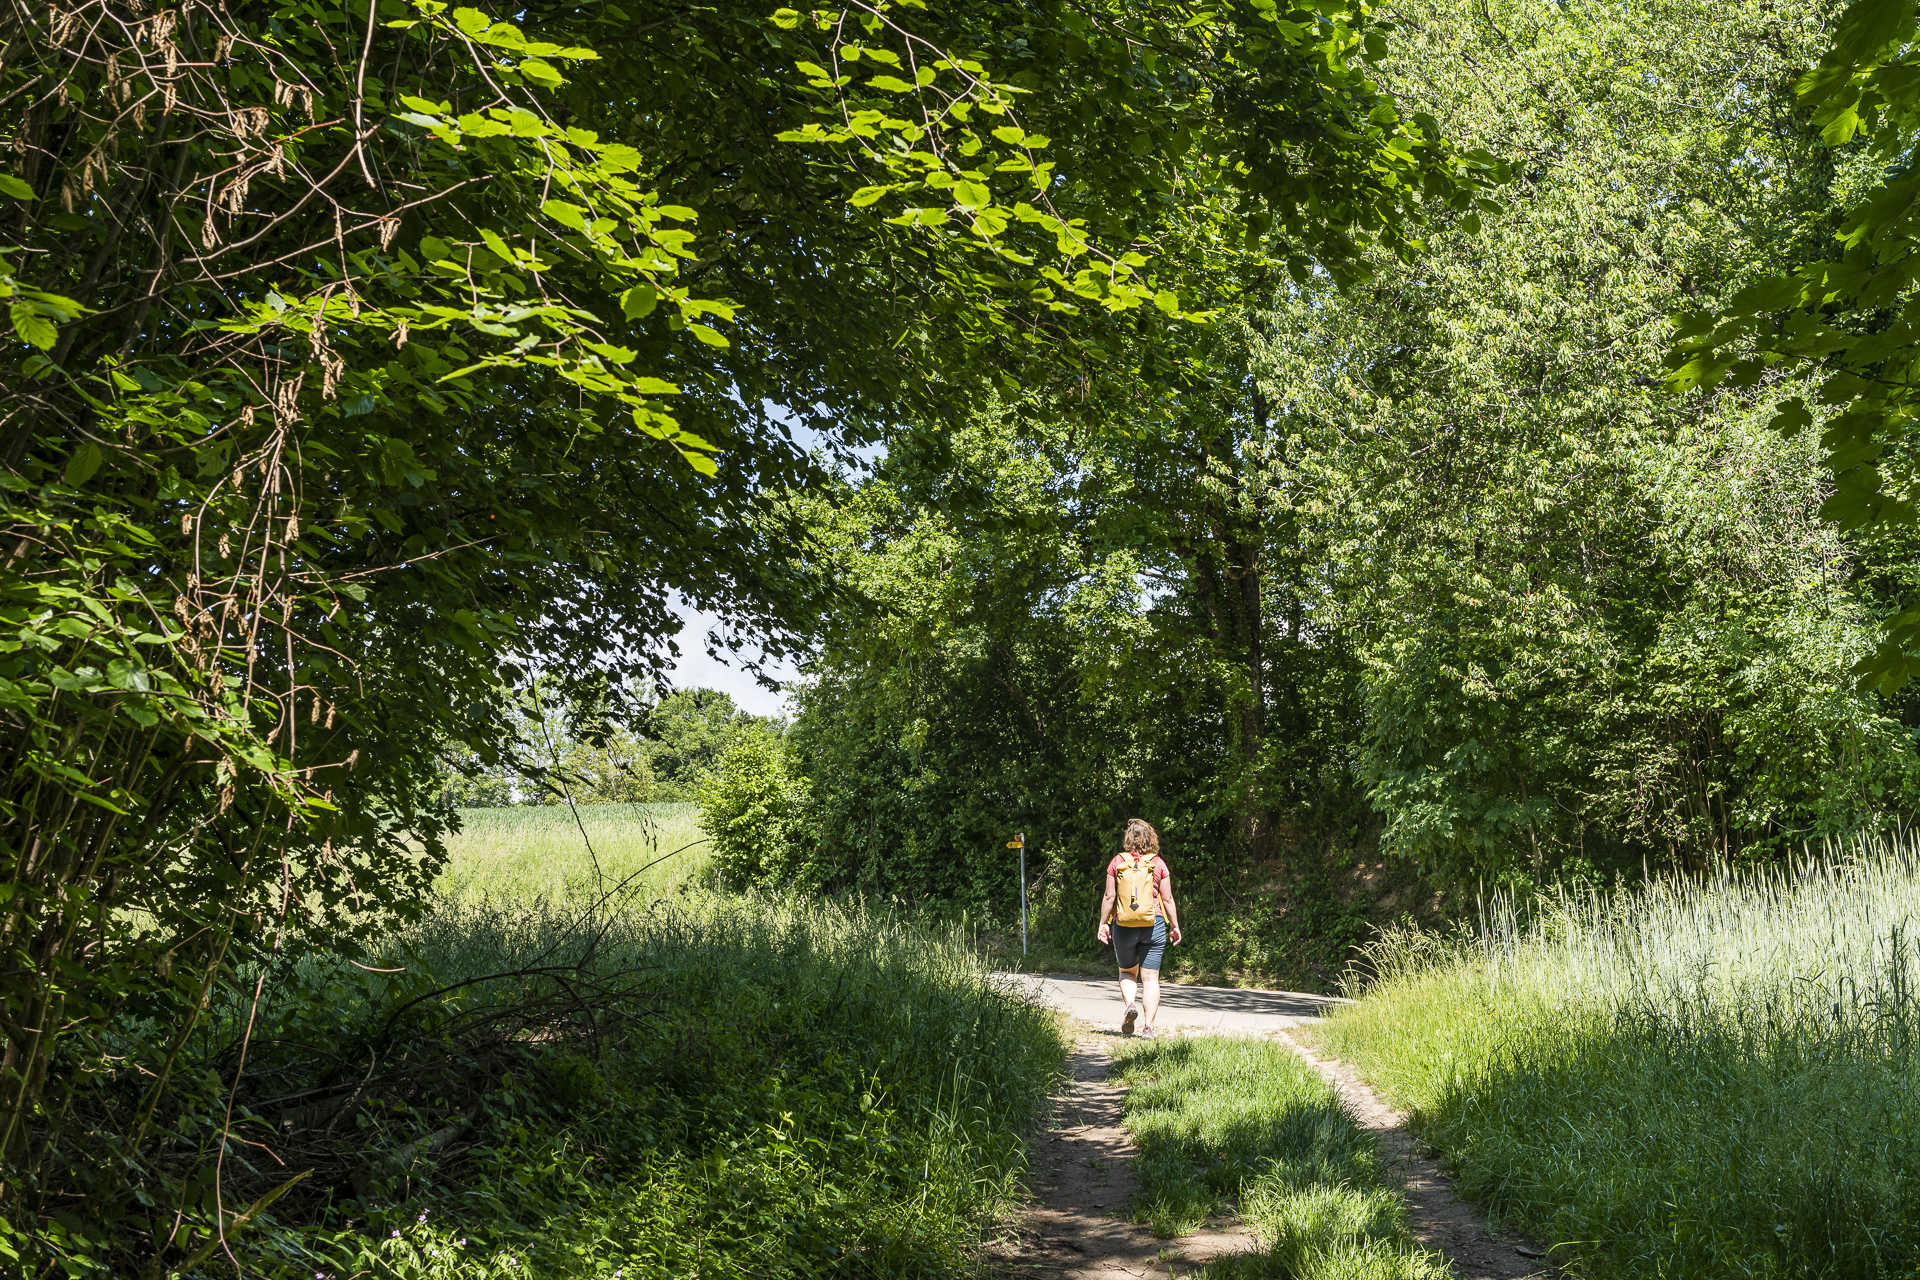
(1600, 625)
(1045, 664)
(1429, 563)
(1847, 318)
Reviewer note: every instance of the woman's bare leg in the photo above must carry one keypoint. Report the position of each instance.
(1150, 979)
(1129, 979)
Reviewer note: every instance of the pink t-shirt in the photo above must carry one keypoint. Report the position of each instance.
(1159, 877)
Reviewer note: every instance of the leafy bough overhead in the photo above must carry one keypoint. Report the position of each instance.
(1125, 131)
(1854, 318)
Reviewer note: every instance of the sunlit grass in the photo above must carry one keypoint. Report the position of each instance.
(1703, 1078)
(1225, 1124)
(538, 851)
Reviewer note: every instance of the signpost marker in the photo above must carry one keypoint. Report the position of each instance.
(1020, 842)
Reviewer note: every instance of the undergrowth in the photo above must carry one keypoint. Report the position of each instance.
(1225, 1124)
(1694, 1079)
(722, 1087)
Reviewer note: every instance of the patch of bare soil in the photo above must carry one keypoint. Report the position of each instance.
(1082, 1183)
(1436, 1218)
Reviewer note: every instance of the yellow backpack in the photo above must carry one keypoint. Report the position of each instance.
(1133, 887)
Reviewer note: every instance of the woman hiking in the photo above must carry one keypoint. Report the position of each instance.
(1137, 914)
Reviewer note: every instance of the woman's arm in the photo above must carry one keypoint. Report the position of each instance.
(1106, 907)
(1173, 911)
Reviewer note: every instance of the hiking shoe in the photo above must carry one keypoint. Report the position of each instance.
(1146, 1033)
(1126, 1023)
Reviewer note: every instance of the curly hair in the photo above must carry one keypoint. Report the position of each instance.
(1140, 837)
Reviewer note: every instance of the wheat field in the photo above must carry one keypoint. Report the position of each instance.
(526, 852)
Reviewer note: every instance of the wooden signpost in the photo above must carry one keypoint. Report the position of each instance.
(1020, 842)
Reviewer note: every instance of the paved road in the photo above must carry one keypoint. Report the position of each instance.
(1219, 1009)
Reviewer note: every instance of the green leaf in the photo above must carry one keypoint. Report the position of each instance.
(566, 214)
(1867, 26)
(1792, 418)
(125, 674)
(1843, 125)
(708, 335)
(639, 301)
(10, 185)
(866, 196)
(497, 246)
(891, 84)
(34, 327)
(1775, 293)
(786, 19)
(84, 462)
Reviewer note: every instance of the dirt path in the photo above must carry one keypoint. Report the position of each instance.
(1437, 1220)
(1083, 1166)
(1083, 1180)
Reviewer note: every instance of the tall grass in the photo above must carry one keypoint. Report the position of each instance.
(1709, 1077)
(1226, 1123)
(536, 851)
(744, 1088)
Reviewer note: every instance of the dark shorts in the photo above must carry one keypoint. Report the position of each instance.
(1139, 944)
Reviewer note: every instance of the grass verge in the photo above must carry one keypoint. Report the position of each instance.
(1707, 1078)
(1225, 1124)
(720, 1087)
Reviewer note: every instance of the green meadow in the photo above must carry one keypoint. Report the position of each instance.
(547, 851)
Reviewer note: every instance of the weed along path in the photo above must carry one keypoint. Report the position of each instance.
(1085, 1178)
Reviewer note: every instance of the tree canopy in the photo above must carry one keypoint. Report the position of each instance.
(1848, 317)
(1430, 563)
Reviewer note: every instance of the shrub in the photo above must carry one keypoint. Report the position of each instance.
(755, 810)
